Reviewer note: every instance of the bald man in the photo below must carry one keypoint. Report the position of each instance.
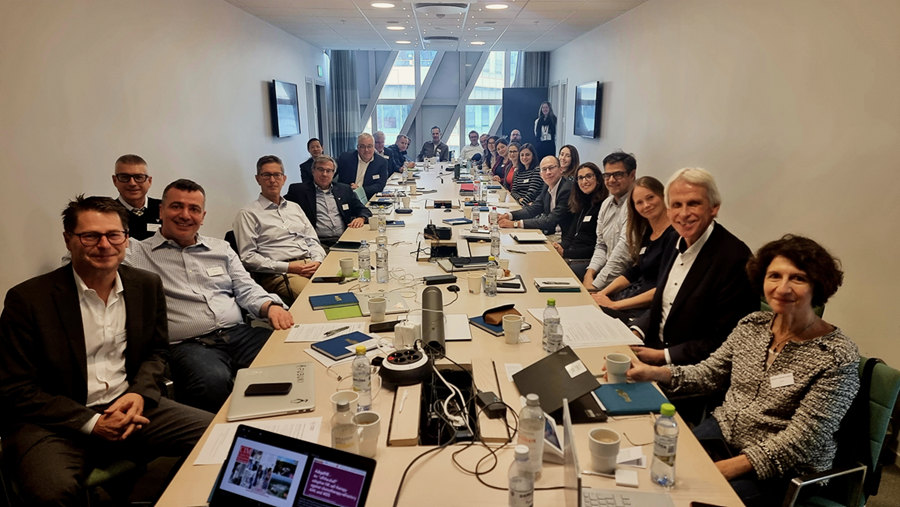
(361, 168)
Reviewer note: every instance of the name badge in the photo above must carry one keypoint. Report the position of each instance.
(587, 218)
(785, 379)
(376, 176)
(526, 180)
(644, 249)
(153, 227)
(345, 207)
(215, 271)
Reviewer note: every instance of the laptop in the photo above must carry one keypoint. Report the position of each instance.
(265, 468)
(301, 397)
(562, 375)
(579, 496)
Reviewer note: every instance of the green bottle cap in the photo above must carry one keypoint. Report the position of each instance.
(667, 409)
(551, 302)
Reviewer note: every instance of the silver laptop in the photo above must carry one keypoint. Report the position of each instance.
(301, 398)
(579, 496)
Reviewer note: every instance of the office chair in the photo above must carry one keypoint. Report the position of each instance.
(229, 237)
(850, 483)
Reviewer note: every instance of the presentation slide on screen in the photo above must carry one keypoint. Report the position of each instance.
(333, 484)
(263, 473)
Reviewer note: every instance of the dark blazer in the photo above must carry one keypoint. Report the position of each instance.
(716, 294)
(376, 174)
(398, 157)
(306, 171)
(427, 151)
(581, 238)
(538, 214)
(304, 194)
(43, 361)
(137, 225)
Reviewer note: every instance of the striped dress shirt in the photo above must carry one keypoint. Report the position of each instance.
(611, 257)
(206, 284)
(527, 184)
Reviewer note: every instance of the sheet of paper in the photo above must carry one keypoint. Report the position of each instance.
(371, 348)
(632, 456)
(215, 450)
(588, 326)
(316, 332)
(512, 369)
(456, 328)
(527, 248)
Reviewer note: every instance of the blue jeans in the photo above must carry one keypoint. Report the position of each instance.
(752, 490)
(203, 371)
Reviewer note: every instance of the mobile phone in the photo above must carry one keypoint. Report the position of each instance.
(328, 279)
(508, 285)
(701, 504)
(383, 327)
(270, 389)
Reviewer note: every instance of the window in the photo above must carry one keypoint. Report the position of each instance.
(401, 83)
(453, 140)
(425, 60)
(368, 127)
(490, 82)
(480, 118)
(391, 118)
(513, 67)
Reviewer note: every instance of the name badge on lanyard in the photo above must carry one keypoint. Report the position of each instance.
(785, 379)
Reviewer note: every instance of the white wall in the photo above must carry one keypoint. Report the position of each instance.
(181, 83)
(792, 105)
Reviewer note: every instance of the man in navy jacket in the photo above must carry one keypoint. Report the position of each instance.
(361, 168)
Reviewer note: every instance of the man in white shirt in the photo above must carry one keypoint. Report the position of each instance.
(611, 256)
(472, 149)
(133, 183)
(274, 236)
(83, 351)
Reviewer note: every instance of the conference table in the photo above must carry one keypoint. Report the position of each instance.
(434, 479)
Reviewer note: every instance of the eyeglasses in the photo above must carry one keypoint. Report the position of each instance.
(138, 178)
(616, 175)
(271, 176)
(92, 238)
(327, 171)
(548, 168)
(588, 177)
(366, 146)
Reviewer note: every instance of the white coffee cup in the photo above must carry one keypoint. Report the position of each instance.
(501, 195)
(373, 221)
(412, 186)
(604, 446)
(474, 283)
(351, 397)
(369, 424)
(512, 326)
(467, 212)
(347, 266)
(504, 264)
(377, 307)
(405, 200)
(616, 366)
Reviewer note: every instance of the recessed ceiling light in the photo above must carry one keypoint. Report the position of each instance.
(383, 5)
(478, 43)
(403, 42)
(396, 28)
(495, 6)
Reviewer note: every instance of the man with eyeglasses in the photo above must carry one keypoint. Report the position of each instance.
(331, 206)
(362, 169)
(206, 288)
(472, 149)
(435, 148)
(550, 211)
(133, 183)
(611, 256)
(274, 236)
(83, 351)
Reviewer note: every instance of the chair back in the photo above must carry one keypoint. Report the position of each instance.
(231, 240)
(883, 392)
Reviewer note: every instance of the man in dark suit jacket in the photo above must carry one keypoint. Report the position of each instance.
(361, 168)
(331, 207)
(703, 286)
(82, 352)
(133, 183)
(314, 147)
(435, 147)
(551, 209)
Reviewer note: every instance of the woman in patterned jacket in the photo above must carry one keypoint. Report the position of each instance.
(793, 375)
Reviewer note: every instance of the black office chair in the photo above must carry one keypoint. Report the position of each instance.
(229, 237)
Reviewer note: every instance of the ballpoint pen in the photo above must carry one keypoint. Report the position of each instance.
(336, 331)
(515, 251)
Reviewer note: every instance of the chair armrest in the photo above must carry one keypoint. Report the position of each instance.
(793, 491)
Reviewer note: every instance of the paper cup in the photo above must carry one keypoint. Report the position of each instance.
(405, 200)
(616, 366)
(474, 283)
(350, 397)
(501, 195)
(604, 446)
(467, 212)
(346, 266)
(512, 326)
(504, 264)
(369, 424)
(377, 307)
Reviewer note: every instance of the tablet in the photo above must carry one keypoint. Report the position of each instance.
(265, 468)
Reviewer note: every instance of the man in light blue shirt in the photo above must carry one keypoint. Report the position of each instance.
(206, 287)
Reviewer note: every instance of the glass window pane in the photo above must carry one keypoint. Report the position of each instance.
(368, 127)
(480, 118)
(513, 67)
(453, 140)
(401, 83)
(425, 59)
(390, 120)
(490, 82)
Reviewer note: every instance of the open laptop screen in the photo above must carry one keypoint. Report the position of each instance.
(265, 468)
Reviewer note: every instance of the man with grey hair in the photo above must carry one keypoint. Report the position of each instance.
(397, 153)
(361, 168)
(703, 289)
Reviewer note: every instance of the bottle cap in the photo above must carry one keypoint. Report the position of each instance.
(521, 452)
(667, 409)
(532, 400)
(551, 302)
(360, 350)
(343, 406)
(363, 243)
(490, 258)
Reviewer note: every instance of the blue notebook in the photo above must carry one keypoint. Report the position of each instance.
(630, 399)
(336, 348)
(333, 300)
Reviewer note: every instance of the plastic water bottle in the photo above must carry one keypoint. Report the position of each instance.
(362, 379)
(381, 263)
(490, 277)
(521, 480)
(365, 262)
(495, 241)
(476, 218)
(382, 222)
(551, 327)
(665, 441)
(531, 433)
(494, 217)
(344, 434)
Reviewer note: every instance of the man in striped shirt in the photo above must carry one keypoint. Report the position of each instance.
(206, 288)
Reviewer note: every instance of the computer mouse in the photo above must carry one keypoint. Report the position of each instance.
(453, 288)
(447, 210)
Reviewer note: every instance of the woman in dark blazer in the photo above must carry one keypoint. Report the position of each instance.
(580, 239)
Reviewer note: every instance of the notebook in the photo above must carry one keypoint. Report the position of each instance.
(529, 237)
(490, 328)
(456, 221)
(301, 398)
(333, 300)
(557, 285)
(630, 399)
(340, 347)
(346, 246)
(264, 468)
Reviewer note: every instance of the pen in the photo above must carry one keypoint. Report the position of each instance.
(515, 251)
(556, 283)
(403, 401)
(336, 331)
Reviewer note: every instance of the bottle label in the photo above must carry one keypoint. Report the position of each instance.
(665, 452)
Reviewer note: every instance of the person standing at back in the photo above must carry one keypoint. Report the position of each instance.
(545, 131)
(314, 147)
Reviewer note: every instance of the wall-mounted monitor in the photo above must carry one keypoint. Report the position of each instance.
(588, 105)
(285, 109)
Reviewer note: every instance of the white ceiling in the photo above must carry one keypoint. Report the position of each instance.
(528, 25)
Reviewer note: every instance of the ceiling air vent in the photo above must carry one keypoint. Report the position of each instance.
(440, 10)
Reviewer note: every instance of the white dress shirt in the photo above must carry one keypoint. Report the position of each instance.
(271, 235)
(104, 342)
(611, 257)
(361, 170)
